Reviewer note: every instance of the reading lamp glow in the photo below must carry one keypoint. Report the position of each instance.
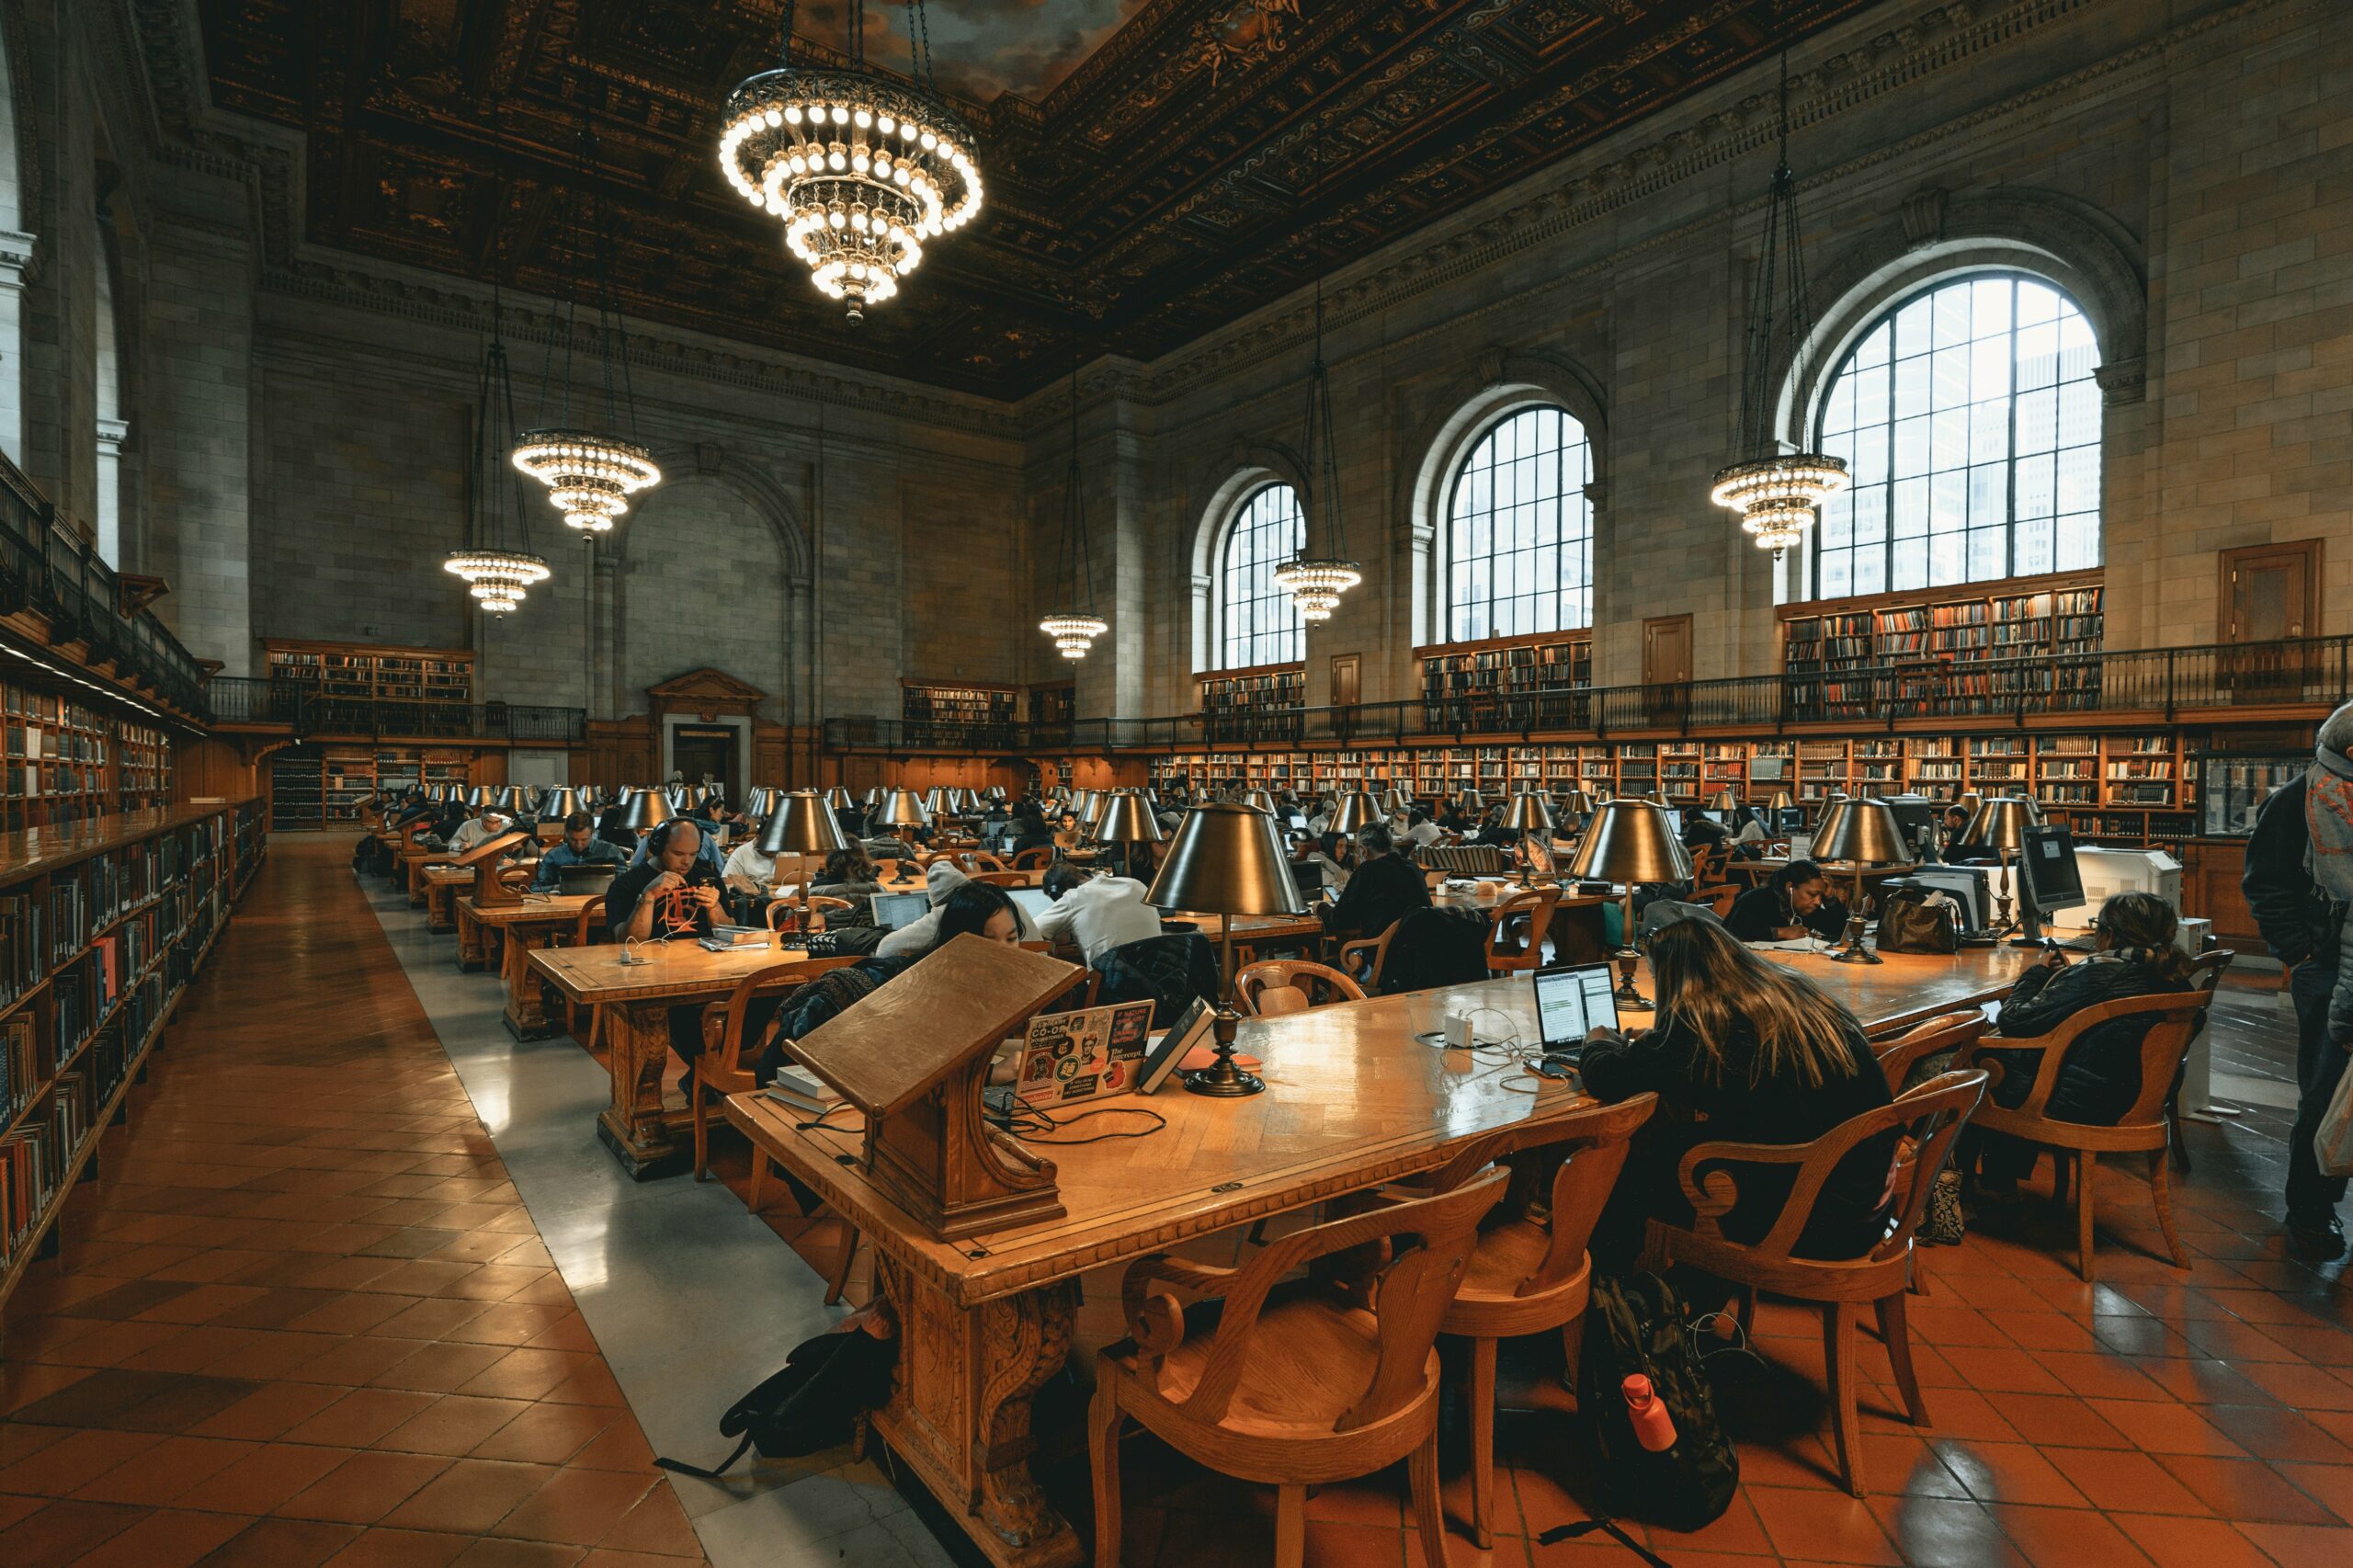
(1227, 860)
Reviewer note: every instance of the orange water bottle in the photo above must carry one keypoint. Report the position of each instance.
(1653, 1427)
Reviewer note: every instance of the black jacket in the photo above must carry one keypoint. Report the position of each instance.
(1379, 892)
(2101, 1076)
(2296, 919)
(1849, 1212)
(1758, 914)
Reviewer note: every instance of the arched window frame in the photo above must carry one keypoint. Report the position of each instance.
(1576, 520)
(1233, 646)
(2002, 454)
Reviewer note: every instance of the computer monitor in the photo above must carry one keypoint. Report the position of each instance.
(893, 909)
(1965, 885)
(1298, 822)
(1307, 876)
(1916, 815)
(1570, 1001)
(2048, 876)
(1792, 819)
(1033, 901)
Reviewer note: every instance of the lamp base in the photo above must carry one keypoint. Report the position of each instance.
(1626, 995)
(1223, 1079)
(1854, 952)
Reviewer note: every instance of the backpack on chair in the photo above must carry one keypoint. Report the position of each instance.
(1634, 1324)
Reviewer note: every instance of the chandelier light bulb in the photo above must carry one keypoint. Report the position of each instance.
(1779, 497)
(589, 477)
(1074, 631)
(814, 149)
(1314, 586)
(497, 577)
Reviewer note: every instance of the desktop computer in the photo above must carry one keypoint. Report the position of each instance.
(2106, 872)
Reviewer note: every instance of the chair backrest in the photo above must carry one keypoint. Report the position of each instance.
(591, 921)
(1515, 927)
(1931, 1116)
(1930, 1037)
(981, 860)
(1407, 1285)
(1719, 898)
(1569, 1164)
(2206, 970)
(1001, 878)
(1278, 986)
(2174, 1023)
(1708, 863)
(1035, 858)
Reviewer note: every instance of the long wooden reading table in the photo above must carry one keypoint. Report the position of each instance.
(1352, 1100)
(514, 930)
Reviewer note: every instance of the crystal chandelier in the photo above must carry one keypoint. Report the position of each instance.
(861, 170)
(498, 577)
(1316, 582)
(1777, 494)
(1075, 628)
(590, 471)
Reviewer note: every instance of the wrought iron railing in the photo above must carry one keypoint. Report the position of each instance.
(59, 577)
(312, 715)
(2166, 683)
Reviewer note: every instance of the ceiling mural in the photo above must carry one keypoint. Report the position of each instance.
(1155, 168)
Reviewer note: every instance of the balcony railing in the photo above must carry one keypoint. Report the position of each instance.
(2165, 683)
(59, 577)
(238, 700)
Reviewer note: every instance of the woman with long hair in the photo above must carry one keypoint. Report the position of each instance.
(1742, 1051)
(2133, 955)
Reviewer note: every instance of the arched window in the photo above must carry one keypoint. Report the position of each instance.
(1257, 623)
(1519, 535)
(1970, 421)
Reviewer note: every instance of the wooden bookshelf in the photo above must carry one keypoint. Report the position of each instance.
(352, 672)
(64, 761)
(1507, 683)
(972, 705)
(1053, 704)
(1260, 703)
(1855, 657)
(103, 924)
(322, 784)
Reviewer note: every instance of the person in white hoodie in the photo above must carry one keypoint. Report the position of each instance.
(917, 936)
(1096, 914)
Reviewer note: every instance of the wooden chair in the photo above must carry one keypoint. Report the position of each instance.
(1334, 1379)
(818, 904)
(1507, 951)
(1036, 859)
(2075, 1147)
(585, 931)
(1529, 1273)
(1898, 1055)
(1719, 898)
(1003, 879)
(1931, 1116)
(1708, 864)
(2206, 974)
(1278, 986)
(982, 860)
(721, 1070)
(1373, 950)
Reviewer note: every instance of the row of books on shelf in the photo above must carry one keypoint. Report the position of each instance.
(32, 1162)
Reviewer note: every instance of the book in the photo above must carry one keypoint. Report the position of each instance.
(802, 1090)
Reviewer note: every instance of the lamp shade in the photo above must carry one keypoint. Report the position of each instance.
(1355, 810)
(1782, 802)
(902, 808)
(477, 798)
(560, 803)
(1471, 802)
(839, 797)
(1259, 801)
(1395, 803)
(2000, 823)
(800, 822)
(647, 809)
(1529, 813)
(1227, 859)
(1127, 818)
(759, 801)
(1631, 841)
(1861, 833)
(513, 798)
(1578, 803)
(1725, 800)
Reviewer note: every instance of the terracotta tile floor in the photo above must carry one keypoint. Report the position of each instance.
(301, 1317)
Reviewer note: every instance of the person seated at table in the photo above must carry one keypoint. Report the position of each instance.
(414, 810)
(1701, 831)
(1742, 1051)
(1450, 817)
(1068, 834)
(1335, 853)
(974, 909)
(940, 883)
(706, 846)
(1030, 829)
(1096, 914)
(1420, 831)
(1494, 833)
(578, 846)
(613, 826)
(487, 826)
(1749, 840)
(748, 874)
(1383, 889)
(2133, 955)
(454, 814)
(1795, 900)
(673, 893)
(848, 873)
(1956, 828)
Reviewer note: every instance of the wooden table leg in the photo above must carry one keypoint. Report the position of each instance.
(527, 1014)
(415, 884)
(958, 1411)
(637, 1126)
(471, 953)
(441, 898)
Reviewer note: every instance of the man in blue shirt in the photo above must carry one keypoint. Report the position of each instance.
(581, 846)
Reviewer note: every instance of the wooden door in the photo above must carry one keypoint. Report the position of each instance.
(2270, 596)
(1666, 668)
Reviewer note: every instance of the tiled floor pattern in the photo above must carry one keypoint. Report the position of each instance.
(301, 1317)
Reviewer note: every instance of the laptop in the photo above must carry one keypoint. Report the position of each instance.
(893, 910)
(1572, 1001)
(584, 878)
(1034, 902)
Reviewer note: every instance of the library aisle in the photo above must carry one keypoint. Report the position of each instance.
(302, 1316)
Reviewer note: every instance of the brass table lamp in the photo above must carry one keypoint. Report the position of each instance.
(800, 822)
(647, 810)
(1227, 860)
(1126, 819)
(1999, 823)
(1354, 813)
(1531, 816)
(558, 802)
(1859, 832)
(1630, 842)
(903, 809)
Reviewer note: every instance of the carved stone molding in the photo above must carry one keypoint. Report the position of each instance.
(2124, 381)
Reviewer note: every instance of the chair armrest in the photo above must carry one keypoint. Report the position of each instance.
(1155, 1316)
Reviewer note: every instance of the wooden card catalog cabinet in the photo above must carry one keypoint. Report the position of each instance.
(486, 860)
(913, 1057)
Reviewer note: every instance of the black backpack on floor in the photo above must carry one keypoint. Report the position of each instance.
(1634, 1323)
(814, 1402)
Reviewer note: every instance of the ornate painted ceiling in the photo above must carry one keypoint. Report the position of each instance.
(1161, 165)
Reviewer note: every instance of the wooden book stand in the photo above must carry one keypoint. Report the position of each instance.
(914, 1056)
(483, 859)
